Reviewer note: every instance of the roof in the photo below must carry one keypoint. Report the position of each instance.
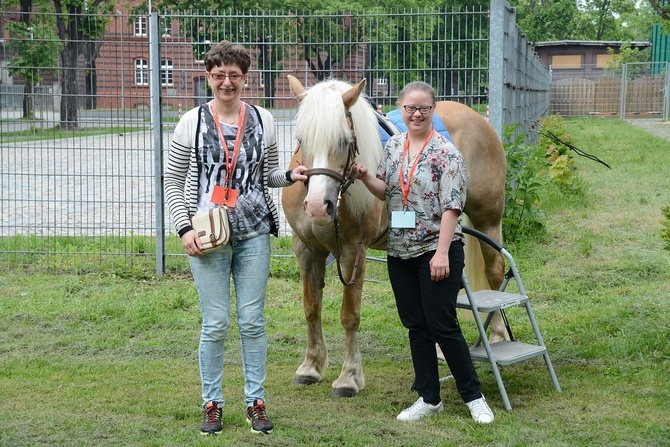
(597, 43)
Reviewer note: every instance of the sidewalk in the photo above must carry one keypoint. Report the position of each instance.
(655, 127)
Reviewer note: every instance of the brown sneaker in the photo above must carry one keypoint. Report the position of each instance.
(211, 419)
(257, 416)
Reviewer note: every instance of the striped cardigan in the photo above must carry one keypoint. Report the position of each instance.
(181, 172)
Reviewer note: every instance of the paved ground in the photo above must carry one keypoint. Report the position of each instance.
(655, 127)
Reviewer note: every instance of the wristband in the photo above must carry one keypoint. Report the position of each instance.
(289, 177)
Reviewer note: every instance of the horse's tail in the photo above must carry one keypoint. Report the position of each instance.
(474, 261)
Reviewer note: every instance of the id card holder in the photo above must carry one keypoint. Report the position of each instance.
(403, 219)
(231, 197)
(218, 195)
(224, 196)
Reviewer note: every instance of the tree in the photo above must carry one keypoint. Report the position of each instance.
(544, 20)
(662, 9)
(34, 47)
(79, 29)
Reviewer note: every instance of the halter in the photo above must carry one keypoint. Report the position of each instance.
(346, 180)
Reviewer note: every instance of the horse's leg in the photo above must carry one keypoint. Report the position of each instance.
(351, 380)
(312, 267)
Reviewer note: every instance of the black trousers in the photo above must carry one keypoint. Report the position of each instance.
(427, 309)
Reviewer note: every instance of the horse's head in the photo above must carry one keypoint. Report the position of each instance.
(334, 129)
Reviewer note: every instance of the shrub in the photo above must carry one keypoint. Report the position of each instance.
(559, 157)
(526, 179)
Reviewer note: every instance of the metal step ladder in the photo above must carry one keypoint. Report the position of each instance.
(490, 301)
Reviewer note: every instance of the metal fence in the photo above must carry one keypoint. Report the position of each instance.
(635, 90)
(85, 185)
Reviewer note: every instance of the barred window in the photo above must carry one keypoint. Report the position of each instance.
(141, 72)
(141, 26)
(167, 72)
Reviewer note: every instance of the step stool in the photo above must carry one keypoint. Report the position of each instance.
(490, 301)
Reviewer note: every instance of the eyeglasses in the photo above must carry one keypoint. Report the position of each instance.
(221, 76)
(422, 110)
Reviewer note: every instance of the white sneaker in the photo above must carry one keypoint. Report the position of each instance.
(480, 411)
(418, 410)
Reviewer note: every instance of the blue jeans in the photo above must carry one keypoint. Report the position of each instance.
(248, 262)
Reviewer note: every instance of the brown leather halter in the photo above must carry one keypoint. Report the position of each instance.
(346, 180)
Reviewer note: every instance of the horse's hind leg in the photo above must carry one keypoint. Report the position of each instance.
(312, 267)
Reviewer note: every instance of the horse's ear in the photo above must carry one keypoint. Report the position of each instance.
(350, 96)
(296, 87)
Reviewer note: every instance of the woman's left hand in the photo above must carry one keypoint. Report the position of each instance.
(439, 266)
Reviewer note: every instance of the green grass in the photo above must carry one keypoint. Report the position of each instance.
(102, 359)
(54, 133)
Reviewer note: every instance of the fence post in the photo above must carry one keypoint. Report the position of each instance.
(496, 64)
(622, 99)
(666, 91)
(157, 133)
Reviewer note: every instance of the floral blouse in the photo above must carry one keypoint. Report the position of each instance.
(438, 184)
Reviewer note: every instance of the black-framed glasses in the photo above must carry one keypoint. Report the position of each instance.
(422, 110)
(221, 76)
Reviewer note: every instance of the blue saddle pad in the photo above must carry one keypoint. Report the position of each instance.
(396, 119)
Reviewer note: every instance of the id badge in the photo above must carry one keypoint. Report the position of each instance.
(224, 196)
(218, 195)
(403, 219)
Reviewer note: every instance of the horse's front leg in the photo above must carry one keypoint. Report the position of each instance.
(312, 267)
(351, 380)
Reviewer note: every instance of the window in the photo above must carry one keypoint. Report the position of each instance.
(167, 72)
(381, 81)
(166, 27)
(141, 26)
(141, 72)
(603, 60)
(566, 61)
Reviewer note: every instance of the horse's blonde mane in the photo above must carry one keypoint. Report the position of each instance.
(321, 125)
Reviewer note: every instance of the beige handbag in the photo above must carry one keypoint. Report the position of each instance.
(212, 227)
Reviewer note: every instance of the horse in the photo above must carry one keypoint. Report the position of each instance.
(336, 126)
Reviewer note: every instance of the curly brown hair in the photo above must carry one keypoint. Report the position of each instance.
(225, 53)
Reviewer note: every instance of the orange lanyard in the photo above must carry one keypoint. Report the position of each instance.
(230, 166)
(405, 185)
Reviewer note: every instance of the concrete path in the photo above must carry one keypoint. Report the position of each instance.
(655, 127)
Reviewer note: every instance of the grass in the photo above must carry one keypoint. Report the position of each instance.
(54, 133)
(102, 359)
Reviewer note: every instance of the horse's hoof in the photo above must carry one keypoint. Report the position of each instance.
(304, 380)
(343, 392)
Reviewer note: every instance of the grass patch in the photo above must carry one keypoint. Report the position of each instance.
(101, 358)
(55, 133)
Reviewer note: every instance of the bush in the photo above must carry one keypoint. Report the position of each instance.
(559, 157)
(526, 179)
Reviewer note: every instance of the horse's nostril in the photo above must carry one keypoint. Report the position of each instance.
(330, 207)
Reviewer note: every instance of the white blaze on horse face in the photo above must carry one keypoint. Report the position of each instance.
(321, 196)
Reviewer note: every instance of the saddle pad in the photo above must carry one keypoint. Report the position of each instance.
(392, 123)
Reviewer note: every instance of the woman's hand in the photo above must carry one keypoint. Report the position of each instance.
(298, 174)
(439, 266)
(374, 184)
(191, 243)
